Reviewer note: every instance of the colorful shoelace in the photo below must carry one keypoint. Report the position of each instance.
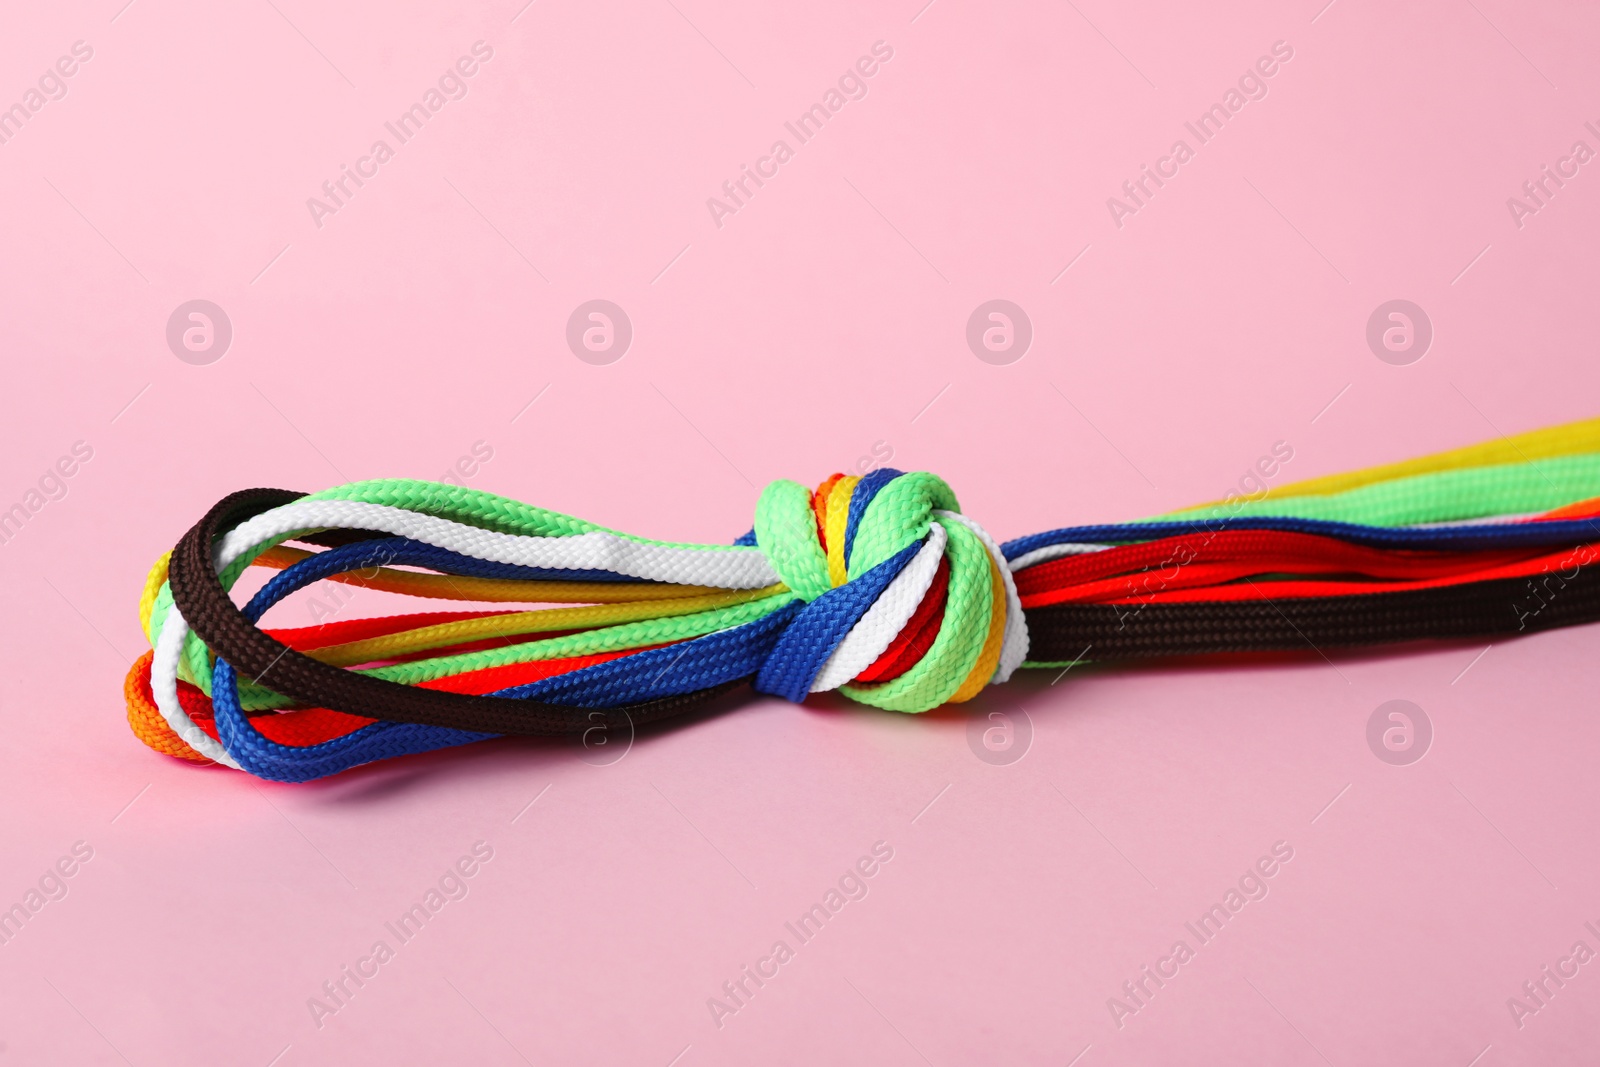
(875, 586)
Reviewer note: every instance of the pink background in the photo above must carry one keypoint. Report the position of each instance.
(824, 319)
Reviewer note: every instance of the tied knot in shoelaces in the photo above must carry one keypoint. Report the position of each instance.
(906, 603)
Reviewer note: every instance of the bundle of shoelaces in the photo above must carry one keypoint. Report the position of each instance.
(875, 586)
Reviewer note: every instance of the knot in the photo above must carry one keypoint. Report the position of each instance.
(907, 603)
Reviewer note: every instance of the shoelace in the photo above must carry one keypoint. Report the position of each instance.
(876, 586)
